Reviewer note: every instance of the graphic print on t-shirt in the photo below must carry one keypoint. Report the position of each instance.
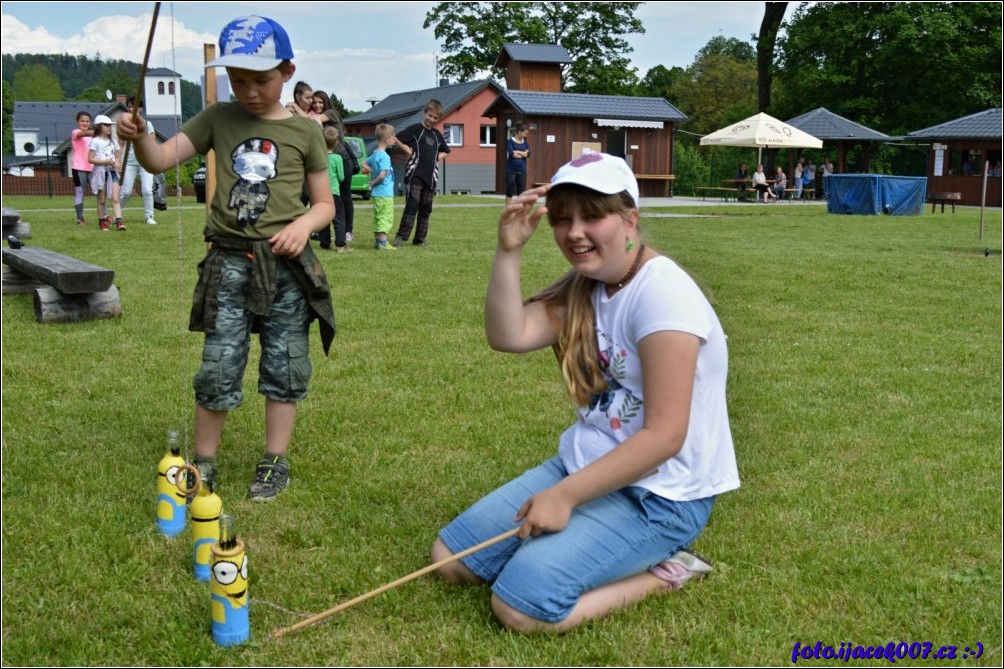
(254, 162)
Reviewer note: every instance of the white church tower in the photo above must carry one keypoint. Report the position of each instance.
(162, 92)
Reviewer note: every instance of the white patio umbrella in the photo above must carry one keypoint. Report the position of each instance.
(762, 131)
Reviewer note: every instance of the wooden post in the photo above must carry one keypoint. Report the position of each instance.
(983, 196)
(209, 54)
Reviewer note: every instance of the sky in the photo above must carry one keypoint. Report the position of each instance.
(360, 51)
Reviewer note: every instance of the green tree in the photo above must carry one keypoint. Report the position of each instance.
(893, 66)
(8, 121)
(120, 79)
(473, 33)
(715, 90)
(658, 82)
(736, 49)
(339, 106)
(36, 83)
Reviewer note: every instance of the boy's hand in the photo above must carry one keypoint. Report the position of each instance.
(130, 131)
(292, 239)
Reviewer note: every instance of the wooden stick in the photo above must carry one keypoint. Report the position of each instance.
(282, 631)
(138, 99)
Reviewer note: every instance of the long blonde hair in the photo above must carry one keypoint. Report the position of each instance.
(576, 349)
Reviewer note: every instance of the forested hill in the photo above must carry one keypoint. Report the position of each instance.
(64, 78)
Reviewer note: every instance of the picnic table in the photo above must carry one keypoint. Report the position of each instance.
(942, 198)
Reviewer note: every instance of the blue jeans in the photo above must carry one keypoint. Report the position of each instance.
(610, 538)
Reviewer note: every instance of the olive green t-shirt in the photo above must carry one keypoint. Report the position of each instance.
(261, 166)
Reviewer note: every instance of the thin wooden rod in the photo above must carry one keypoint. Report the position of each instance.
(138, 99)
(282, 631)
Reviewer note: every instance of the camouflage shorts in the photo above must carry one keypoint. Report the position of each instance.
(284, 369)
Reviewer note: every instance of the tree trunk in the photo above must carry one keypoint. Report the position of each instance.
(772, 16)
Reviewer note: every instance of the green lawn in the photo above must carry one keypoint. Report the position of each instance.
(865, 396)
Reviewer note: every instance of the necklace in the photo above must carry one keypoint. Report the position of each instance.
(630, 273)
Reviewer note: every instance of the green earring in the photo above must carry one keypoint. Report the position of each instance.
(630, 244)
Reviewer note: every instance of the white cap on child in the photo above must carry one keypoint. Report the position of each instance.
(600, 172)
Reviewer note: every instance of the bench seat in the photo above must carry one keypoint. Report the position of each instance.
(65, 274)
(942, 198)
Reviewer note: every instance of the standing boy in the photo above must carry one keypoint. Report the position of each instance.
(421, 175)
(260, 273)
(381, 174)
(336, 174)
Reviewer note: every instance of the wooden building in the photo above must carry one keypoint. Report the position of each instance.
(959, 154)
(564, 125)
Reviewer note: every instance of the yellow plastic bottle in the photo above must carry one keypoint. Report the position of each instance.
(170, 500)
(205, 510)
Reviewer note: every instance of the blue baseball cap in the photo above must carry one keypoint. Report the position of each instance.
(253, 43)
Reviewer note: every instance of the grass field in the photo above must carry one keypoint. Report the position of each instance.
(865, 399)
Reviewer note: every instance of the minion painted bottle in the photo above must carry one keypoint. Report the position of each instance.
(229, 587)
(205, 511)
(170, 500)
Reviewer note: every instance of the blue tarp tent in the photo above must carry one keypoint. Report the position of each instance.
(875, 194)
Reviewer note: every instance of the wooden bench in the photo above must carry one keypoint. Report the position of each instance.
(668, 178)
(66, 289)
(703, 191)
(942, 198)
(13, 225)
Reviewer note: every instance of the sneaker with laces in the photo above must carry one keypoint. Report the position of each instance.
(103, 225)
(81, 221)
(150, 221)
(343, 249)
(398, 242)
(681, 567)
(119, 225)
(385, 247)
(270, 478)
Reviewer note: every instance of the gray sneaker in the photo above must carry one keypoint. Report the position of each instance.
(270, 478)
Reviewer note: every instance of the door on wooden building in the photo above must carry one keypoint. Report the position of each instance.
(617, 143)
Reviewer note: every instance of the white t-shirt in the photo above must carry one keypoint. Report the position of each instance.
(661, 297)
(103, 148)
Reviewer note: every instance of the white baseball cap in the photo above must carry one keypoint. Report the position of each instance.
(101, 119)
(253, 43)
(600, 172)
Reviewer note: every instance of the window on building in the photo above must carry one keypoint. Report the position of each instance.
(160, 88)
(454, 135)
(170, 87)
(488, 135)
